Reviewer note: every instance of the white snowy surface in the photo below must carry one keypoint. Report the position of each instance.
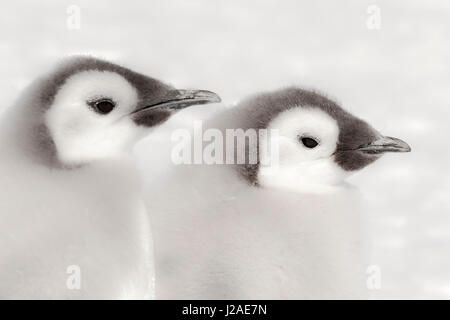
(397, 78)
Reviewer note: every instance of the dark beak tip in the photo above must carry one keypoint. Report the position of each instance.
(407, 149)
(399, 144)
(205, 96)
(217, 99)
(194, 97)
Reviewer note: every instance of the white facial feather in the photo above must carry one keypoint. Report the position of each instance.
(81, 135)
(300, 168)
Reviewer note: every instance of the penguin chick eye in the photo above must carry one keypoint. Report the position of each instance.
(309, 142)
(103, 106)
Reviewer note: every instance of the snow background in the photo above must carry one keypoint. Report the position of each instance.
(397, 78)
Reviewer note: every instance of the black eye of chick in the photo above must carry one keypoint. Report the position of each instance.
(103, 106)
(309, 142)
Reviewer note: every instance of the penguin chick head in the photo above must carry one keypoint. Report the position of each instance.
(93, 109)
(318, 142)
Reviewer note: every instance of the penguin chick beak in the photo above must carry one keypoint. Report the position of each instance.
(385, 144)
(180, 99)
(160, 109)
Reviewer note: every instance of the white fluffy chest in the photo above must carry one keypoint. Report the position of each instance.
(323, 176)
(91, 219)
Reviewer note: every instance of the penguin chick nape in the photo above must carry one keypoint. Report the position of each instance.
(318, 142)
(89, 109)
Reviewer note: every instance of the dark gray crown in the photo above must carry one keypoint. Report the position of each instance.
(148, 88)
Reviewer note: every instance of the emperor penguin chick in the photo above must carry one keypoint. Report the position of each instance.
(287, 228)
(73, 224)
